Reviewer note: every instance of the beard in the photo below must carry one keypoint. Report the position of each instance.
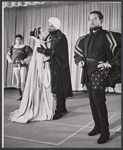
(50, 30)
(94, 28)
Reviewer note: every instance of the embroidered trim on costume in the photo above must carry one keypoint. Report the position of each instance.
(77, 49)
(112, 41)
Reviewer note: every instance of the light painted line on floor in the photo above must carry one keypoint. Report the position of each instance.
(82, 129)
(61, 123)
(75, 133)
(118, 113)
(7, 124)
(119, 128)
(77, 126)
(29, 140)
(72, 124)
(113, 130)
(65, 124)
(78, 98)
(109, 129)
(112, 116)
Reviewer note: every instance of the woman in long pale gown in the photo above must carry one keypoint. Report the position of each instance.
(37, 102)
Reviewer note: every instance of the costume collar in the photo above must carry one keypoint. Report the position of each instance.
(55, 32)
(19, 46)
(94, 31)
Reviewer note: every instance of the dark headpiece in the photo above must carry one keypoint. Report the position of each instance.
(18, 36)
(36, 32)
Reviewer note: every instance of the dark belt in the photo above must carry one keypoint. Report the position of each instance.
(90, 59)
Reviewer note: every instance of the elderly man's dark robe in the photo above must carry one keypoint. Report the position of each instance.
(59, 64)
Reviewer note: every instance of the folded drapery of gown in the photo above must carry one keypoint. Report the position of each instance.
(37, 102)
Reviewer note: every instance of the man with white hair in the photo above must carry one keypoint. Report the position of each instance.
(59, 65)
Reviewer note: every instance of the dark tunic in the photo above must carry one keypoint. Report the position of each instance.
(59, 64)
(19, 54)
(94, 47)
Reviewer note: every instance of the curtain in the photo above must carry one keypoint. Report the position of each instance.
(23, 3)
(74, 19)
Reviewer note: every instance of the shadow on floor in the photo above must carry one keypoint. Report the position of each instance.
(115, 135)
(115, 123)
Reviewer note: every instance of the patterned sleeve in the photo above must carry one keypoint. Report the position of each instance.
(78, 51)
(28, 50)
(9, 51)
(9, 54)
(114, 40)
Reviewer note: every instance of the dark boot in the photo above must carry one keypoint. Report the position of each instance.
(58, 112)
(96, 130)
(57, 115)
(20, 93)
(64, 109)
(104, 137)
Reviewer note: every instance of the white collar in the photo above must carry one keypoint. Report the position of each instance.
(95, 31)
(19, 46)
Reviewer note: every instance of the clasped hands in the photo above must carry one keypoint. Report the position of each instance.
(41, 50)
(47, 51)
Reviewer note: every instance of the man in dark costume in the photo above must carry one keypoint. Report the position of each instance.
(59, 65)
(19, 56)
(98, 53)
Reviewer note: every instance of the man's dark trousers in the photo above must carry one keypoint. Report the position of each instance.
(98, 107)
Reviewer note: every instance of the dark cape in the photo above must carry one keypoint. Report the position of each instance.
(104, 46)
(59, 65)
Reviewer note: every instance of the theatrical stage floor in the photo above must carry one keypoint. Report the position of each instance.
(68, 132)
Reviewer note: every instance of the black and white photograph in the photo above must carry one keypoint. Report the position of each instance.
(61, 74)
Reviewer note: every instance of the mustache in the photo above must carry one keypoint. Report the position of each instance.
(94, 28)
(92, 24)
